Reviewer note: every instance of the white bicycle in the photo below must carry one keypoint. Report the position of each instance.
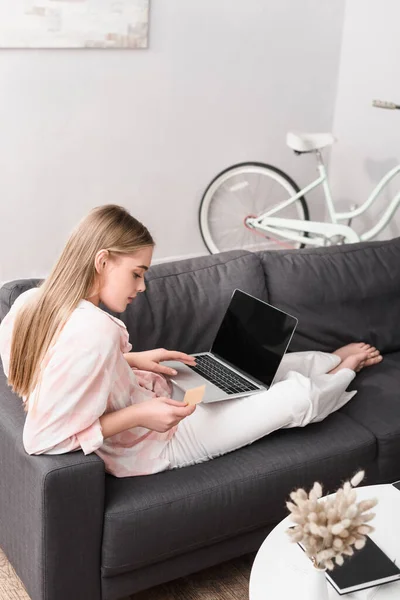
(255, 206)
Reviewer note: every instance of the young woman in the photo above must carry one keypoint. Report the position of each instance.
(83, 388)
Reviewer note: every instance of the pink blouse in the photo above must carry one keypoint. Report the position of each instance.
(83, 376)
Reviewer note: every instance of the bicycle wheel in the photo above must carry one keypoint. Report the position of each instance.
(247, 189)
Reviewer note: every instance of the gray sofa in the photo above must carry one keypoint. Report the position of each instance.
(74, 532)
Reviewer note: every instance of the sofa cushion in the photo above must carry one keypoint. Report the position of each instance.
(340, 294)
(190, 508)
(376, 407)
(185, 301)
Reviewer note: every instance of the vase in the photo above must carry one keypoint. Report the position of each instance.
(318, 589)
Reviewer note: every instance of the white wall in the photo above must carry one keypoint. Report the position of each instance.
(368, 138)
(221, 82)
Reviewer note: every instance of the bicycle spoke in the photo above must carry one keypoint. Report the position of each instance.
(248, 190)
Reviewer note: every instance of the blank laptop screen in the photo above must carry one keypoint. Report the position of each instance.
(254, 336)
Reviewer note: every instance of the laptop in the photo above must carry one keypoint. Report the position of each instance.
(245, 355)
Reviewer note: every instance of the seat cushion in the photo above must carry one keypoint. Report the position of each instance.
(376, 407)
(152, 518)
(307, 142)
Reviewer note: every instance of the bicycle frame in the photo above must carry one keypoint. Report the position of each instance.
(387, 215)
(294, 228)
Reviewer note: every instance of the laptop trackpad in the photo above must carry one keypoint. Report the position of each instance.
(187, 379)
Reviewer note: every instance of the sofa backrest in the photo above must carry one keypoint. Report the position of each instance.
(340, 294)
(184, 302)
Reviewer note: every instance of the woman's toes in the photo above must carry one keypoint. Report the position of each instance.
(373, 360)
(372, 353)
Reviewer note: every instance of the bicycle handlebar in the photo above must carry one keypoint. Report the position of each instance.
(384, 104)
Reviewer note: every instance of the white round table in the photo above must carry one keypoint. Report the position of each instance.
(281, 570)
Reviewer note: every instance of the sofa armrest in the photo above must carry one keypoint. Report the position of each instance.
(51, 512)
(10, 291)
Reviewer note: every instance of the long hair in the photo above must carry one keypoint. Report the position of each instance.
(72, 278)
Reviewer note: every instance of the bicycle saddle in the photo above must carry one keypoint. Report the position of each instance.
(308, 142)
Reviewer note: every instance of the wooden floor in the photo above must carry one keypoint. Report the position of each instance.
(11, 587)
(228, 581)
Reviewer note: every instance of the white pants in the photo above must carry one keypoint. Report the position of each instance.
(303, 393)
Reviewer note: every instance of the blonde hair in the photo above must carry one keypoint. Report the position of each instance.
(72, 278)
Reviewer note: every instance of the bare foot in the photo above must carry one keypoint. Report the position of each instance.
(355, 362)
(358, 348)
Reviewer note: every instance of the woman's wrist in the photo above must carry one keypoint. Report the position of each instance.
(130, 358)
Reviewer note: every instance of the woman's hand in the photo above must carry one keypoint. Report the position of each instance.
(160, 414)
(149, 360)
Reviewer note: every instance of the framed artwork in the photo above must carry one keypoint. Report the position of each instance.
(74, 23)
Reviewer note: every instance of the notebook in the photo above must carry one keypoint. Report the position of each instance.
(367, 568)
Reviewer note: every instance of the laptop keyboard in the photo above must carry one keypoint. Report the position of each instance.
(228, 381)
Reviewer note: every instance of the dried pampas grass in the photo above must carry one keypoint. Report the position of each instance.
(329, 529)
